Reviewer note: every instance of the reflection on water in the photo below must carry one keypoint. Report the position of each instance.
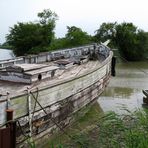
(119, 92)
(125, 90)
(6, 54)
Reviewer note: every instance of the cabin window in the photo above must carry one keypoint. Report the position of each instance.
(39, 77)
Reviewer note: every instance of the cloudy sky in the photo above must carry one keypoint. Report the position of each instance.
(86, 14)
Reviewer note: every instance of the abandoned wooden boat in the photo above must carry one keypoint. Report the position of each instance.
(44, 91)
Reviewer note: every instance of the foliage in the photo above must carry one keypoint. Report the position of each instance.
(59, 43)
(23, 37)
(105, 32)
(111, 130)
(129, 130)
(31, 143)
(38, 37)
(47, 17)
(146, 45)
(130, 41)
(47, 21)
(27, 37)
(75, 36)
(5, 46)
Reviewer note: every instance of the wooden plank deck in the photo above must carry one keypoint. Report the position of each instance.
(15, 89)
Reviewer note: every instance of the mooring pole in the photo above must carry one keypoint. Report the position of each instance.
(9, 114)
(113, 64)
(9, 111)
(30, 118)
(10, 123)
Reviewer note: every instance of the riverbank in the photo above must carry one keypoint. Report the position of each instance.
(76, 134)
(109, 130)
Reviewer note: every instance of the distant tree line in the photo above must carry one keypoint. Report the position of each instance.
(5, 46)
(35, 37)
(131, 41)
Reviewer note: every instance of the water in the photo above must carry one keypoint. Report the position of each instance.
(6, 54)
(125, 90)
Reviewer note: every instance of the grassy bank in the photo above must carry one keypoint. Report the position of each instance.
(81, 125)
(98, 130)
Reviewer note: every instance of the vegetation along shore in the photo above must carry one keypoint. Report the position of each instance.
(39, 36)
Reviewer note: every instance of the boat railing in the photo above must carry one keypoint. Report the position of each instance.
(58, 54)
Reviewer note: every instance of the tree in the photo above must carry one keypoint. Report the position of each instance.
(5, 45)
(33, 37)
(75, 36)
(59, 43)
(130, 41)
(47, 21)
(23, 37)
(105, 32)
(146, 44)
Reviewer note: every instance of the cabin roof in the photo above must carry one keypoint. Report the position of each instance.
(42, 70)
(32, 69)
(29, 67)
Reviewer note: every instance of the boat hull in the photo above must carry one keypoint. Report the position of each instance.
(52, 107)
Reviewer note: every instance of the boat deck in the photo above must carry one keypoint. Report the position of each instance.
(15, 89)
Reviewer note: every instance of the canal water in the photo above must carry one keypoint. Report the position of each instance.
(6, 54)
(125, 90)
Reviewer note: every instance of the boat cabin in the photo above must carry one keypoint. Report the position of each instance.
(27, 73)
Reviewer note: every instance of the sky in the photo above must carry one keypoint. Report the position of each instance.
(86, 14)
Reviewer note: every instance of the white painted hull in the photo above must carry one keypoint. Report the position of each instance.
(60, 100)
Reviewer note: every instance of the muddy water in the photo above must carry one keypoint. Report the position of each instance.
(125, 90)
(6, 54)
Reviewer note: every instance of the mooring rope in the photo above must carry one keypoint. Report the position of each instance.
(35, 103)
(51, 117)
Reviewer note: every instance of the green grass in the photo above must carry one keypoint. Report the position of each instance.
(109, 130)
(82, 124)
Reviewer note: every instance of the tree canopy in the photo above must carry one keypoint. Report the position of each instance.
(39, 36)
(105, 32)
(130, 40)
(75, 36)
(33, 37)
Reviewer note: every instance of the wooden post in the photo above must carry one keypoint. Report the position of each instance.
(11, 125)
(113, 72)
(30, 115)
(9, 114)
